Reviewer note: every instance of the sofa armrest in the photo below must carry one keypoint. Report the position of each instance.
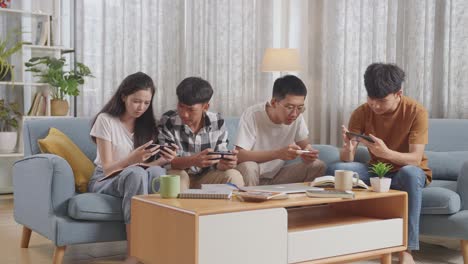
(42, 186)
(462, 186)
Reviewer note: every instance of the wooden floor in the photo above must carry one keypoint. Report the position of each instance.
(41, 250)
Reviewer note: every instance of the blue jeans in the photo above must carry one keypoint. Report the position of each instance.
(410, 179)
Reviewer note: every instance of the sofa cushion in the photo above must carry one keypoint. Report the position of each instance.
(76, 128)
(59, 144)
(328, 154)
(95, 207)
(451, 185)
(446, 165)
(438, 200)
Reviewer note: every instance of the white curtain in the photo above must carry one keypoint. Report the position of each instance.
(224, 44)
(221, 41)
(116, 38)
(341, 38)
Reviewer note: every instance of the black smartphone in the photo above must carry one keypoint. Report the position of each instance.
(152, 145)
(351, 135)
(221, 153)
(166, 146)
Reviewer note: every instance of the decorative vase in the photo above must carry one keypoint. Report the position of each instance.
(8, 141)
(58, 107)
(380, 184)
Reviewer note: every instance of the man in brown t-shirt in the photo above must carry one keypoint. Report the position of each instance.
(398, 126)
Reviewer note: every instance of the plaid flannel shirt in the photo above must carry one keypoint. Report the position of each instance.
(213, 135)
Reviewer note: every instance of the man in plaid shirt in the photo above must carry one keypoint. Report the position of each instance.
(198, 132)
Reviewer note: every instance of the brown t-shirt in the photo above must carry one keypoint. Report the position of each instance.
(408, 124)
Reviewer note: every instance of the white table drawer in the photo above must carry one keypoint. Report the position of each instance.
(338, 240)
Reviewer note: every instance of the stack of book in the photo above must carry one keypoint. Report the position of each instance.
(205, 194)
(330, 194)
(39, 106)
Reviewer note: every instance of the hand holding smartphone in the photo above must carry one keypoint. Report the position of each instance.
(167, 146)
(152, 145)
(350, 135)
(221, 153)
(302, 151)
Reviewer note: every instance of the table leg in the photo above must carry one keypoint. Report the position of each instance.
(386, 258)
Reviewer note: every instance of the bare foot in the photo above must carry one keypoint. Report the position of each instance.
(131, 260)
(406, 258)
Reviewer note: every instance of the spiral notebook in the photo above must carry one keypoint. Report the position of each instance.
(205, 194)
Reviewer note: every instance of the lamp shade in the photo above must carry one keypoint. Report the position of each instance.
(282, 60)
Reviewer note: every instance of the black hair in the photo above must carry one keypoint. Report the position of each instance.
(382, 79)
(288, 85)
(194, 90)
(145, 125)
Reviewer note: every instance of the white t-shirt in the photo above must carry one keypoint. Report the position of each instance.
(257, 132)
(111, 129)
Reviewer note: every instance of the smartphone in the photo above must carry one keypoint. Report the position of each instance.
(152, 145)
(301, 151)
(167, 146)
(351, 135)
(221, 153)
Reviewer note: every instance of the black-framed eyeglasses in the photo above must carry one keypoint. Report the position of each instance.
(291, 108)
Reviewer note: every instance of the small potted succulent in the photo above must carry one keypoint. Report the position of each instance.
(380, 183)
(9, 118)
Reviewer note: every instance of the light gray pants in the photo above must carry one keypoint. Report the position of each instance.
(292, 173)
(131, 181)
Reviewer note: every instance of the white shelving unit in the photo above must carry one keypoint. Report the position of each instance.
(25, 16)
(18, 11)
(22, 84)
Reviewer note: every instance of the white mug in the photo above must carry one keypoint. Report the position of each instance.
(345, 180)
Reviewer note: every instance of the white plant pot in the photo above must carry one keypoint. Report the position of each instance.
(8, 141)
(380, 184)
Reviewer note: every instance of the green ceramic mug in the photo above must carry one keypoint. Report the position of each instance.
(169, 186)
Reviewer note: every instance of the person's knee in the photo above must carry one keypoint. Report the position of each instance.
(318, 166)
(250, 172)
(156, 171)
(234, 176)
(412, 176)
(134, 175)
(331, 168)
(248, 167)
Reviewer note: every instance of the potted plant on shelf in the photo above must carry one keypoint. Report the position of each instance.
(380, 183)
(62, 82)
(6, 50)
(9, 116)
(5, 3)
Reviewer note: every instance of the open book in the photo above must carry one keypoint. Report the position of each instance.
(329, 181)
(116, 172)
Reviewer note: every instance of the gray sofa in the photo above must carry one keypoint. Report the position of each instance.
(46, 201)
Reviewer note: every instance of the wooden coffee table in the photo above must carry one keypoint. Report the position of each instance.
(296, 230)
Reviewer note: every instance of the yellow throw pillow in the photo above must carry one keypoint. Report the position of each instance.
(59, 144)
